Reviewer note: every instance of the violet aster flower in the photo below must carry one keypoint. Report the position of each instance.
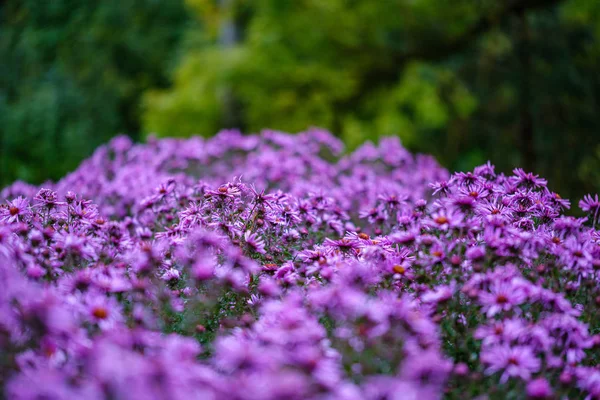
(486, 170)
(475, 192)
(227, 191)
(101, 310)
(254, 242)
(262, 199)
(344, 245)
(591, 205)
(527, 179)
(445, 220)
(501, 297)
(539, 389)
(442, 187)
(466, 179)
(47, 198)
(171, 275)
(512, 362)
(15, 211)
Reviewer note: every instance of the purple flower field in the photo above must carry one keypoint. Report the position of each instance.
(276, 266)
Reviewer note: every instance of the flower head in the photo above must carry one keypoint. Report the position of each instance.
(255, 243)
(15, 211)
(512, 362)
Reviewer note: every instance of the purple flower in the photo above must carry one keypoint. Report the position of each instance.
(171, 275)
(255, 243)
(475, 253)
(442, 187)
(426, 368)
(512, 362)
(591, 205)
(466, 179)
(16, 211)
(527, 180)
(101, 310)
(344, 244)
(501, 297)
(486, 170)
(226, 191)
(539, 389)
(445, 220)
(47, 198)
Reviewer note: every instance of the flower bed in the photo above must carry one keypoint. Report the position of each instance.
(272, 266)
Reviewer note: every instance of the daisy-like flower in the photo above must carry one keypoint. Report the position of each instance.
(102, 310)
(254, 242)
(442, 187)
(262, 199)
(466, 179)
(527, 179)
(555, 198)
(501, 297)
(475, 192)
(501, 331)
(225, 191)
(15, 211)
(375, 215)
(445, 220)
(512, 362)
(254, 300)
(171, 275)
(194, 214)
(591, 205)
(393, 200)
(164, 189)
(47, 198)
(463, 203)
(486, 170)
(342, 244)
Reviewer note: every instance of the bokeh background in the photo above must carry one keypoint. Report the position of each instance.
(513, 81)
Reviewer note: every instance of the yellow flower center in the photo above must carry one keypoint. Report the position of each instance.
(100, 312)
(441, 220)
(399, 269)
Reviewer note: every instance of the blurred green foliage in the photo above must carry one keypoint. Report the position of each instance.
(513, 81)
(72, 73)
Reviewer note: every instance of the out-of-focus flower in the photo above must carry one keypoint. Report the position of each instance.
(517, 361)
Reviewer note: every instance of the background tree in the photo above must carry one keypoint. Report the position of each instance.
(72, 73)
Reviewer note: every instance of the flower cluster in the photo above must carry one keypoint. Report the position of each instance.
(276, 266)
